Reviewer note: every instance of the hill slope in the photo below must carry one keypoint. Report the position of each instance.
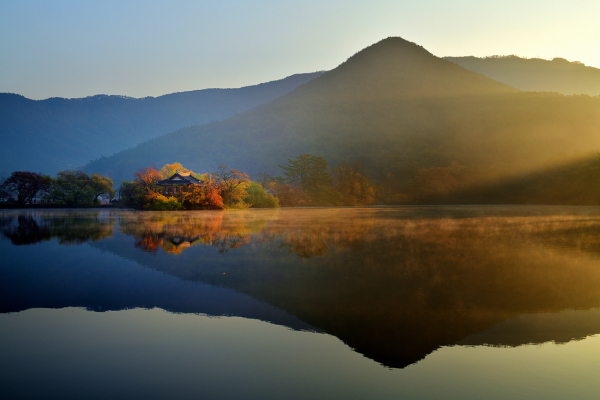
(558, 75)
(396, 108)
(56, 134)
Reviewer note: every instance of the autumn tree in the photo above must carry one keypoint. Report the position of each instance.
(147, 177)
(102, 186)
(202, 197)
(143, 192)
(169, 169)
(349, 180)
(231, 184)
(290, 196)
(26, 185)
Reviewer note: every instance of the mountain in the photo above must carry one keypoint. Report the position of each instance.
(394, 107)
(535, 74)
(56, 134)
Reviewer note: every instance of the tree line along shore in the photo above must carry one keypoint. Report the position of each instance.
(305, 181)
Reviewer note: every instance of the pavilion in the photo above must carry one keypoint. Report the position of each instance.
(180, 179)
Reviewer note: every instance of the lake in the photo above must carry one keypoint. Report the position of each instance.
(453, 302)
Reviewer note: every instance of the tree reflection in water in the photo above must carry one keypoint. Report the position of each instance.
(25, 231)
(177, 231)
(394, 284)
(68, 227)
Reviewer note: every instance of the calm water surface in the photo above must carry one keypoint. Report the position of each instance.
(488, 302)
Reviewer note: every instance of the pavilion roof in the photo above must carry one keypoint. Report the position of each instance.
(180, 179)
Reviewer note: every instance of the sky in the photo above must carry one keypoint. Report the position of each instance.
(64, 48)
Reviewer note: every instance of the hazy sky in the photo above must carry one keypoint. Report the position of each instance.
(63, 48)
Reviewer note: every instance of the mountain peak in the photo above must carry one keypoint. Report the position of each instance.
(395, 68)
(390, 47)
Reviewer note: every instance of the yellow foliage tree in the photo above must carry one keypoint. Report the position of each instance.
(169, 169)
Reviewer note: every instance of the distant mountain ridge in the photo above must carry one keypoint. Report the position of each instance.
(368, 84)
(394, 107)
(535, 74)
(56, 133)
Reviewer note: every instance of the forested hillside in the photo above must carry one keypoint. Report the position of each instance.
(397, 109)
(56, 134)
(535, 74)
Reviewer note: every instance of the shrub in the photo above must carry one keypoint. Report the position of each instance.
(158, 202)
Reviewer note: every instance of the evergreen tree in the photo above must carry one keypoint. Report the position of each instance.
(306, 171)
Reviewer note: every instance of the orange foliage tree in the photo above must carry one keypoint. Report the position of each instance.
(147, 177)
(201, 197)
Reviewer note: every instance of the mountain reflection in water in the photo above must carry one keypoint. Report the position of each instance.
(393, 283)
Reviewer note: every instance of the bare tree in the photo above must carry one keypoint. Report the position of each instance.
(230, 182)
(263, 178)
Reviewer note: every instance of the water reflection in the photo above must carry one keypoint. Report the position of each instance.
(394, 284)
(525, 329)
(174, 232)
(68, 227)
(26, 231)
